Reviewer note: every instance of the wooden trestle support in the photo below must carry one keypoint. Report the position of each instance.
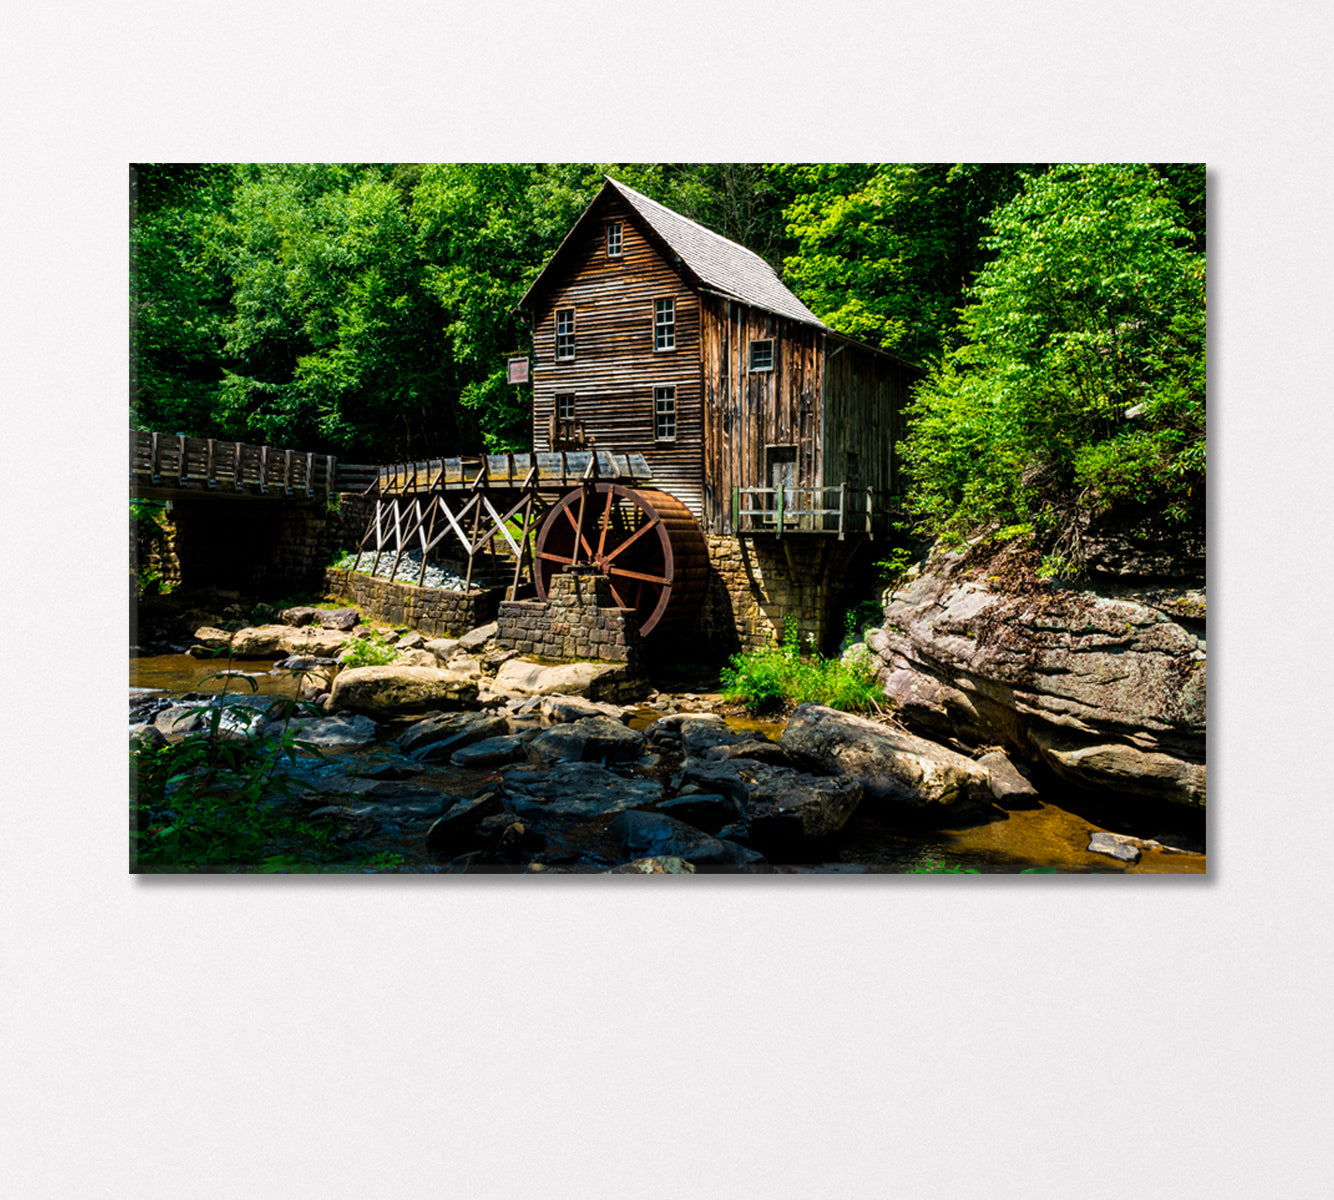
(549, 512)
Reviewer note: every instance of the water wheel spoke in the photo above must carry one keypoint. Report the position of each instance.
(568, 510)
(640, 575)
(547, 556)
(616, 595)
(606, 523)
(634, 537)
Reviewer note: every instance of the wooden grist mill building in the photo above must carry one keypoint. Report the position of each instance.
(701, 440)
(656, 337)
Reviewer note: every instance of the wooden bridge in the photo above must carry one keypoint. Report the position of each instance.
(164, 466)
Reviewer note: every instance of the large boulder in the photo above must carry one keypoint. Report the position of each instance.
(453, 831)
(311, 641)
(556, 709)
(892, 767)
(341, 730)
(522, 677)
(475, 639)
(780, 804)
(440, 734)
(649, 834)
(590, 739)
(272, 641)
(576, 791)
(598, 681)
(1104, 685)
(491, 752)
(391, 690)
(327, 618)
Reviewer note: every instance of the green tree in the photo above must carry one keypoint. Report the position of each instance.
(1078, 379)
(484, 231)
(884, 252)
(334, 341)
(179, 296)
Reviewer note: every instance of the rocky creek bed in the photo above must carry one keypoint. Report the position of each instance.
(462, 758)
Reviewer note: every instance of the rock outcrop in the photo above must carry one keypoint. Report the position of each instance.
(1105, 686)
(892, 767)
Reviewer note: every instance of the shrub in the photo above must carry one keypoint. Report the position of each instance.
(775, 677)
(369, 651)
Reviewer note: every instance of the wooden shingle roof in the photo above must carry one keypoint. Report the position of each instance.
(722, 265)
(709, 259)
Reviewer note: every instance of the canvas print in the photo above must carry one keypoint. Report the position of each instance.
(590, 518)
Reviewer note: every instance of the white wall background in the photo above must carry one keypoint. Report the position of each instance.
(796, 1037)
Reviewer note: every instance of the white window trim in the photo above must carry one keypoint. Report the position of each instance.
(658, 397)
(570, 356)
(570, 396)
(669, 326)
(750, 356)
(619, 252)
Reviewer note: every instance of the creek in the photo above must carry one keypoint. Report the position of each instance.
(1055, 834)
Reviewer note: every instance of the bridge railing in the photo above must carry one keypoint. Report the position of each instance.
(161, 461)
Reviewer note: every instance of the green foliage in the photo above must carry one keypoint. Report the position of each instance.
(179, 296)
(368, 650)
(929, 866)
(775, 677)
(864, 615)
(885, 250)
(1093, 306)
(214, 799)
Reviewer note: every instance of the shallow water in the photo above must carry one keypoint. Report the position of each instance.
(1001, 843)
(179, 673)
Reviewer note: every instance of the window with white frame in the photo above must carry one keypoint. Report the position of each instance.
(664, 324)
(613, 239)
(664, 414)
(565, 406)
(564, 334)
(762, 355)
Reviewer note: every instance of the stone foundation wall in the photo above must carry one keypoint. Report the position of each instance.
(154, 565)
(759, 584)
(578, 621)
(433, 611)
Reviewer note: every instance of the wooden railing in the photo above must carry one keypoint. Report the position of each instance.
(165, 462)
(559, 469)
(173, 461)
(780, 510)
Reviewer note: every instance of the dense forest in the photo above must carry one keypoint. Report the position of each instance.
(367, 309)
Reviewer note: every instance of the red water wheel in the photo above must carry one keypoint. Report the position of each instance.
(645, 542)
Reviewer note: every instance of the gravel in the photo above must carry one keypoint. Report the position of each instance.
(409, 568)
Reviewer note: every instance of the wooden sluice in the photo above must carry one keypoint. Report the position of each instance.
(488, 504)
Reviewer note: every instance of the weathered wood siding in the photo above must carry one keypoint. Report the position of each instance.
(747, 411)
(864, 397)
(615, 368)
